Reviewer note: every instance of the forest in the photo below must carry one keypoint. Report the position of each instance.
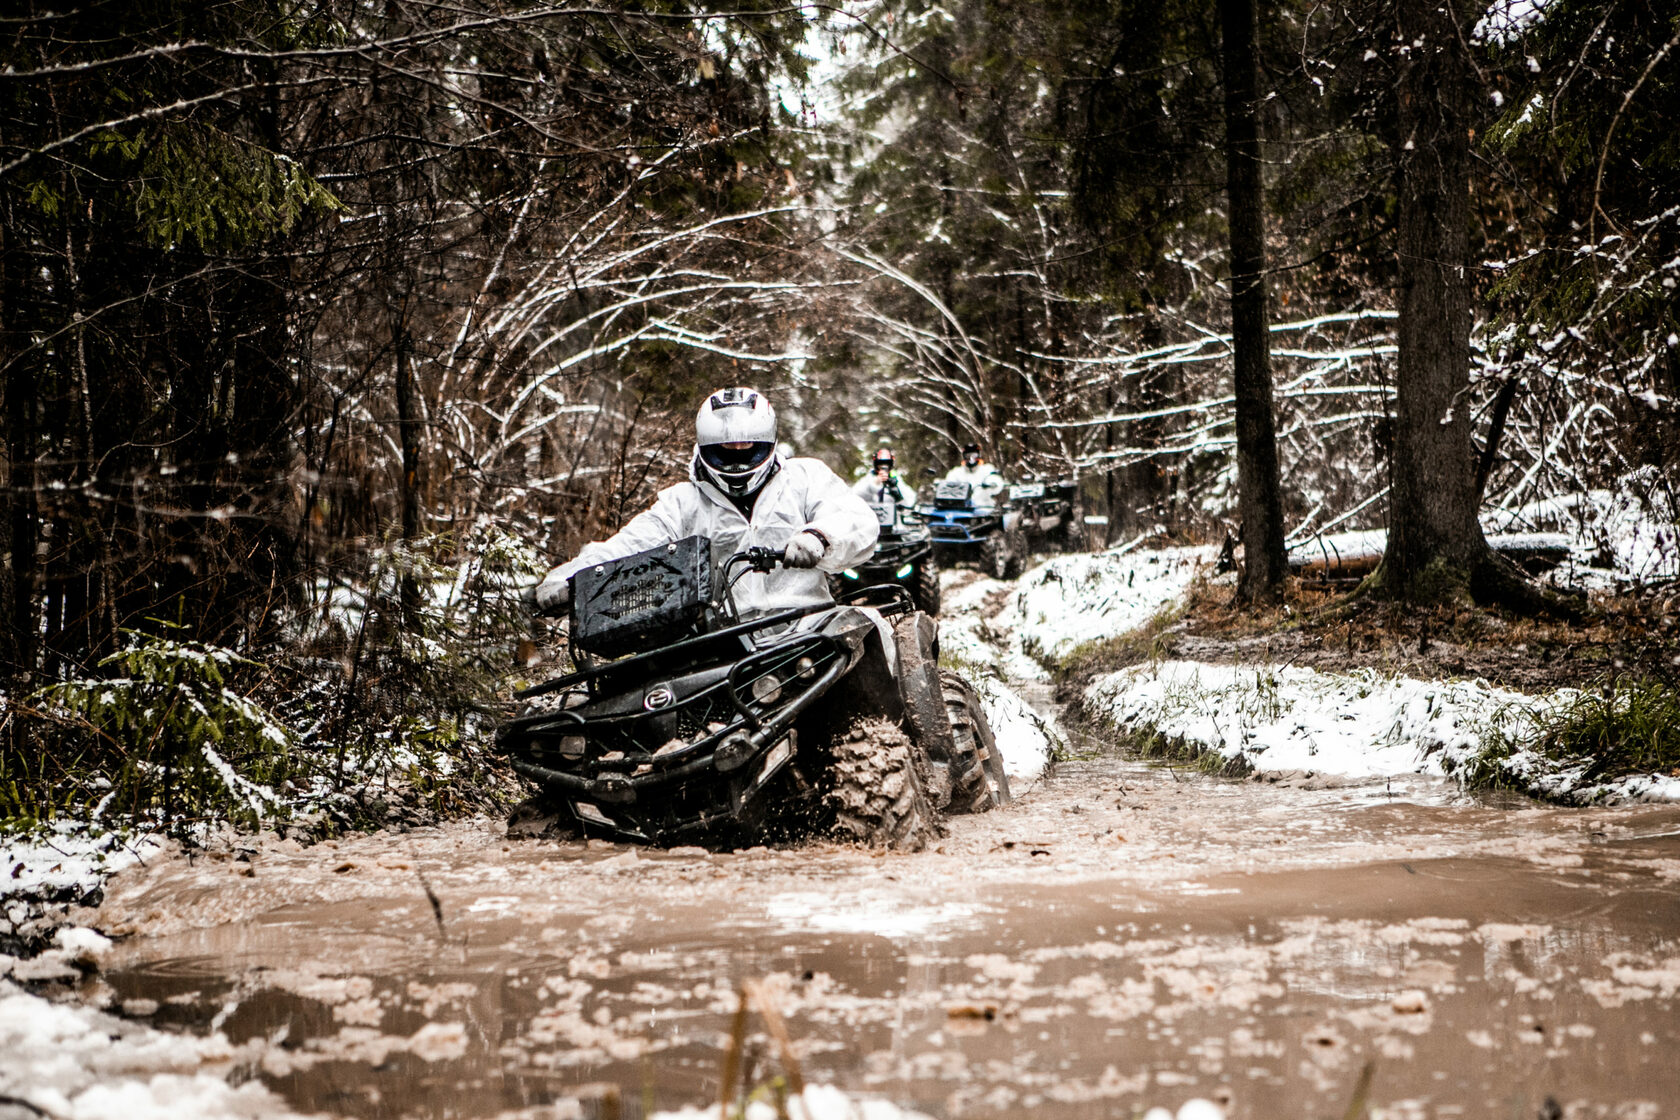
(1267, 707)
(328, 325)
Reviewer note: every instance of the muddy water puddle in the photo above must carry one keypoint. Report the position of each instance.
(1123, 936)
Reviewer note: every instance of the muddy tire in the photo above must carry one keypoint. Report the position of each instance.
(879, 795)
(1015, 554)
(916, 636)
(994, 556)
(925, 589)
(981, 783)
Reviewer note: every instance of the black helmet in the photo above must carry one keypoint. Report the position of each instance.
(883, 460)
(971, 454)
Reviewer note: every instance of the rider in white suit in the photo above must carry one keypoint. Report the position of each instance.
(741, 493)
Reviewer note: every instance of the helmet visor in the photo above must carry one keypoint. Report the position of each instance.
(736, 458)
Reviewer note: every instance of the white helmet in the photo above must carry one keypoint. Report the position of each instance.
(735, 441)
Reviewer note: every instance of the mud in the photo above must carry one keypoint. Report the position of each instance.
(1122, 936)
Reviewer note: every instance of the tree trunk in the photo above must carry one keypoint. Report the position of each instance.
(1260, 501)
(408, 490)
(1435, 542)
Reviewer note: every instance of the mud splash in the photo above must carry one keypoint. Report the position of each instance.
(1122, 936)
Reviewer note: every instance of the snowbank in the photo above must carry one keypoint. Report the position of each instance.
(1354, 725)
(81, 1064)
(977, 638)
(1358, 724)
(1081, 598)
(1027, 740)
(42, 876)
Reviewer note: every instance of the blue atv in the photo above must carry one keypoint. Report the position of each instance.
(967, 528)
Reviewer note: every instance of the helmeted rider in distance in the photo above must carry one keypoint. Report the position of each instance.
(741, 493)
(978, 473)
(882, 484)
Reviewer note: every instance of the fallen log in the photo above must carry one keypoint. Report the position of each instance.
(1346, 556)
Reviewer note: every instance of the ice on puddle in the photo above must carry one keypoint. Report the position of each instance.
(80, 944)
(81, 1064)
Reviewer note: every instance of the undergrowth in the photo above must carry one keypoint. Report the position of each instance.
(1622, 728)
(374, 707)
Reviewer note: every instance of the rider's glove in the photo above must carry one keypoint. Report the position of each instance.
(551, 595)
(805, 549)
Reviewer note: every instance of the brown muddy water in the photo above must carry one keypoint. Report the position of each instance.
(1123, 936)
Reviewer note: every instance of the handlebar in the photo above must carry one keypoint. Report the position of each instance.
(758, 558)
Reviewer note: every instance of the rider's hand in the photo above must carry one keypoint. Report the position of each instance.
(805, 549)
(552, 595)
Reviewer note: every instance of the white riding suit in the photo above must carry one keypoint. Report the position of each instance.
(985, 479)
(878, 493)
(801, 494)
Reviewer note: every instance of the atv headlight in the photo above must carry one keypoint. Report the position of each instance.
(805, 668)
(904, 571)
(573, 746)
(850, 573)
(767, 689)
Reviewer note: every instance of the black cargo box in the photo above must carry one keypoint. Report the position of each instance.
(642, 601)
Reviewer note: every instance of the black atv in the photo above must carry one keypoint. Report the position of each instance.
(687, 724)
(903, 556)
(1046, 512)
(965, 530)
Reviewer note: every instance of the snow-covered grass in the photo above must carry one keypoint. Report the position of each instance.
(1355, 725)
(1073, 600)
(1270, 719)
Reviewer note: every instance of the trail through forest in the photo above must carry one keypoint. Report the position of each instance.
(1125, 935)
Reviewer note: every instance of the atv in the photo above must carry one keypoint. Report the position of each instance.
(685, 723)
(1047, 513)
(964, 529)
(903, 556)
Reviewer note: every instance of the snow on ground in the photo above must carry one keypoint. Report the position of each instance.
(1028, 739)
(1355, 725)
(1617, 539)
(976, 636)
(1621, 537)
(43, 875)
(1086, 597)
(73, 1062)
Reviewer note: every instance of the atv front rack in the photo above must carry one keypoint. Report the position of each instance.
(729, 748)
